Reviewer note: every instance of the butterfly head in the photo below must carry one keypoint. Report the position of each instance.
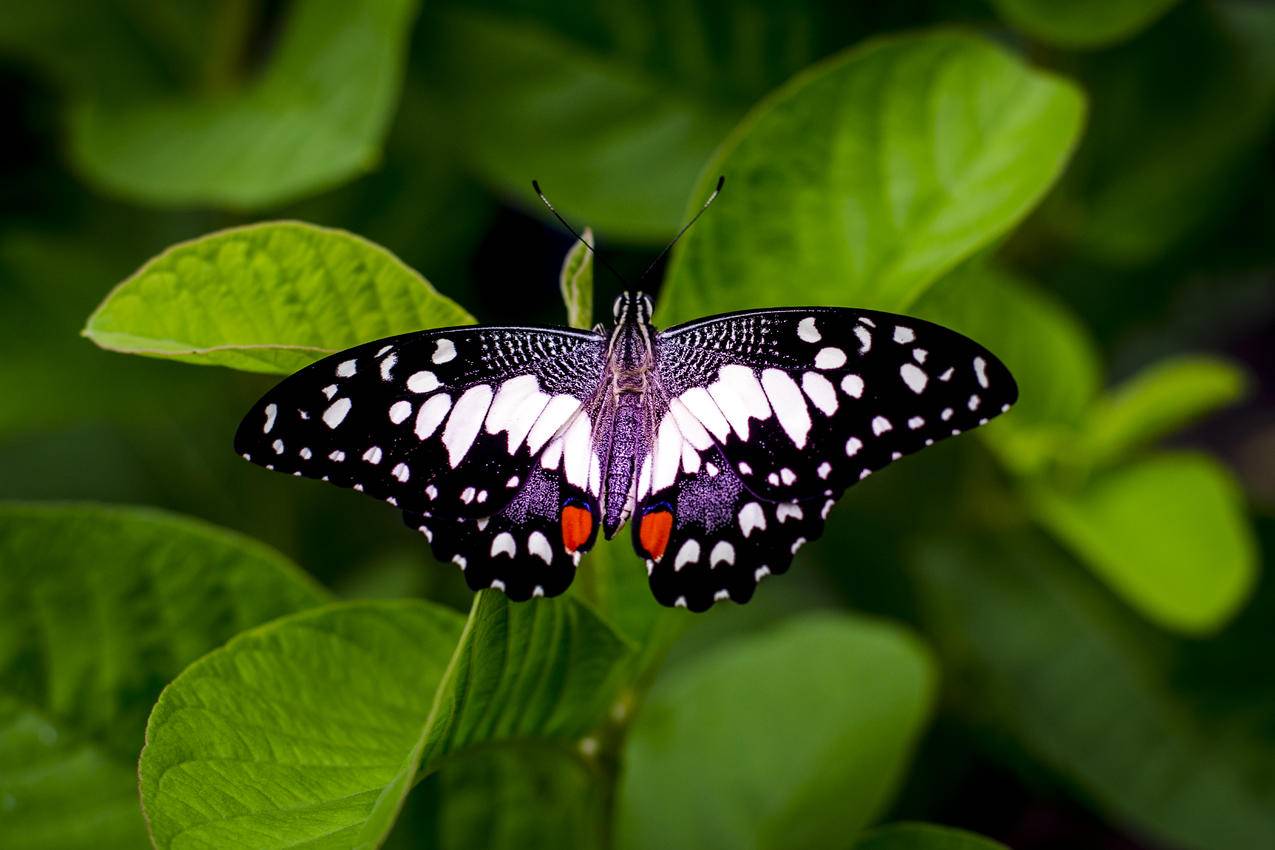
(634, 307)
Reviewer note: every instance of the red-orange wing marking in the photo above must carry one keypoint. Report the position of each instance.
(577, 525)
(654, 531)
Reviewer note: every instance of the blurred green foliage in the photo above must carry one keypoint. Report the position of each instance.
(1063, 620)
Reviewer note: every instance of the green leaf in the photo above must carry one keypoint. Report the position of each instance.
(792, 738)
(1045, 347)
(312, 729)
(1043, 656)
(1082, 23)
(870, 175)
(1168, 533)
(267, 298)
(1157, 402)
(576, 282)
(313, 118)
(99, 608)
(924, 836)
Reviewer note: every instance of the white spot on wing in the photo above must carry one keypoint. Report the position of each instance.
(824, 469)
(915, 422)
(830, 358)
(668, 453)
(865, 338)
(422, 382)
(373, 455)
(980, 371)
(701, 404)
(399, 411)
(465, 422)
(903, 335)
(431, 414)
(807, 331)
(444, 350)
(852, 385)
(785, 510)
(853, 445)
(386, 365)
(335, 414)
(914, 377)
(401, 472)
(688, 554)
(504, 544)
(820, 391)
(880, 425)
(577, 449)
(723, 553)
(538, 545)
(277, 445)
(751, 516)
(556, 413)
(346, 369)
(789, 405)
(272, 410)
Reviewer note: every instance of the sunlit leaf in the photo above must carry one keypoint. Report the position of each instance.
(315, 116)
(99, 608)
(576, 283)
(1040, 654)
(1082, 23)
(1168, 533)
(777, 740)
(312, 729)
(267, 298)
(868, 176)
(1159, 401)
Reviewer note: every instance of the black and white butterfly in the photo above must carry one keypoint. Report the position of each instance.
(726, 440)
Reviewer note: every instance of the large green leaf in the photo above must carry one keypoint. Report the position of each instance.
(1043, 344)
(311, 730)
(870, 175)
(315, 116)
(99, 608)
(1082, 23)
(1168, 533)
(267, 298)
(791, 738)
(924, 836)
(1043, 656)
(1157, 402)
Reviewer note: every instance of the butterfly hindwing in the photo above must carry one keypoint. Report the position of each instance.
(806, 402)
(529, 548)
(709, 538)
(446, 422)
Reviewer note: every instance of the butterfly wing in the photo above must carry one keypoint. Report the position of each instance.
(459, 425)
(775, 413)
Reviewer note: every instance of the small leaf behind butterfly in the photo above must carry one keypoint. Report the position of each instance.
(576, 282)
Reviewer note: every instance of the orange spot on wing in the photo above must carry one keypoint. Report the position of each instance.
(654, 531)
(577, 525)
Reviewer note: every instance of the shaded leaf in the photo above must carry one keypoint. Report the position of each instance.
(1087, 23)
(313, 728)
(1168, 533)
(868, 176)
(1157, 402)
(1042, 655)
(99, 608)
(315, 116)
(777, 740)
(267, 298)
(576, 282)
(924, 836)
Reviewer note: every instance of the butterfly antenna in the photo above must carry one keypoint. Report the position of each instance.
(721, 181)
(536, 185)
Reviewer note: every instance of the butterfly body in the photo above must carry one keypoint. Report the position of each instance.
(723, 442)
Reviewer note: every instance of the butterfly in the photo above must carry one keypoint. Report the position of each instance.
(723, 442)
